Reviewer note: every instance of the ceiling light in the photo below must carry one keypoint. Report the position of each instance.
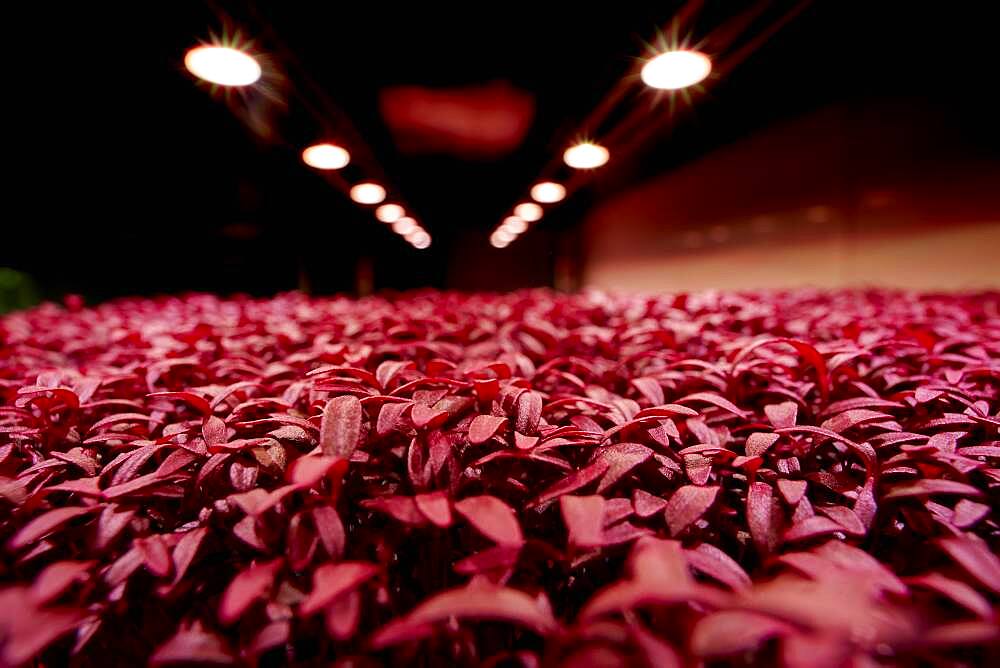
(389, 213)
(676, 69)
(547, 192)
(586, 155)
(368, 193)
(419, 239)
(504, 234)
(326, 156)
(514, 224)
(498, 242)
(404, 226)
(222, 65)
(528, 211)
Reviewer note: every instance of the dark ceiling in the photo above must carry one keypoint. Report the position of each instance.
(145, 181)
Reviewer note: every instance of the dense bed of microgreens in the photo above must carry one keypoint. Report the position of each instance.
(538, 479)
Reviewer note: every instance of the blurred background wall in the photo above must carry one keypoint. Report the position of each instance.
(889, 192)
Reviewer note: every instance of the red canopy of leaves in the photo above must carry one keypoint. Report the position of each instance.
(799, 478)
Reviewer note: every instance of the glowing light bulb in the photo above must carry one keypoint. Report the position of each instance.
(505, 235)
(419, 239)
(326, 156)
(222, 65)
(528, 211)
(676, 69)
(389, 213)
(497, 241)
(368, 193)
(548, 192)
(404, 226)
(586, 155)
(514, 224)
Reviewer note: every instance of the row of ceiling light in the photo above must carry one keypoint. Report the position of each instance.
(670, 70)
(227, 66)
(545, 192)
(368, 193)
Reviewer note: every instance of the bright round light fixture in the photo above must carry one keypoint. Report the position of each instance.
(419, 238)
(673, 70)
(389, 213)
(505, 235)
(222, 65)
(528, 211)
(326, 156)
(498, 242)
(367, 193)
(404, 226)
(548, 192)
(514, 224)
(586, 155)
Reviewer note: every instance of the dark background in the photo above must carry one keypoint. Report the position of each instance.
(130, 177)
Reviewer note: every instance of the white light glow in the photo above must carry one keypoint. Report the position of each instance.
(368, 193)
(404, 226)
(419, 239)
(504, 234)
(498, 241)
(548, 192)
(326, 156)
(389, 213)
(514, 224)
(222, 65)
(586, 155)
(528, 211)
(676, 69)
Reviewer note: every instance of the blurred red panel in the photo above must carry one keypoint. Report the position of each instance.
(475, 121)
